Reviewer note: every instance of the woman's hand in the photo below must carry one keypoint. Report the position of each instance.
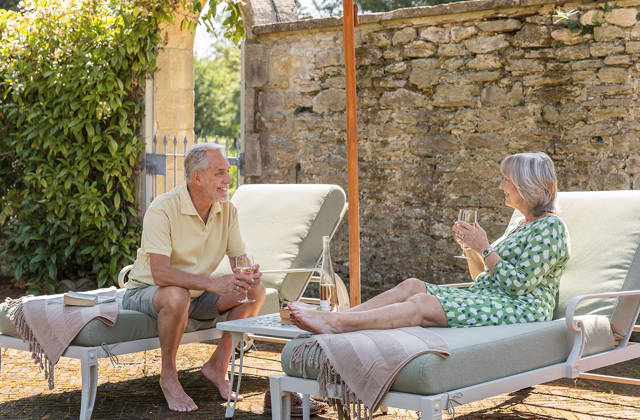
(470, 235)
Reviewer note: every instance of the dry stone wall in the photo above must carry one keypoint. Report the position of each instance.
(444, 93)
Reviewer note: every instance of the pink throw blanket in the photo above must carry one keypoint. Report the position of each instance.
(49, 326)
(364, 363)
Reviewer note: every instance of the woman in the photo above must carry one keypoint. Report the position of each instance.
(516, 278)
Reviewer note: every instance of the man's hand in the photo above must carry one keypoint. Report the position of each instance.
(236, 283)
(254, 274)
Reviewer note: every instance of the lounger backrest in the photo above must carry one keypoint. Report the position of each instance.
(604, 227)
(282, 226)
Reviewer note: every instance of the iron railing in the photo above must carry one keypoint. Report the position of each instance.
(164, 166)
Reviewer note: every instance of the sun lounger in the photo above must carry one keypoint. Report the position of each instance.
(598, 304)
(282, 226)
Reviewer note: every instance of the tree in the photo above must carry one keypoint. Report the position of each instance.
(71, 81)
(9, 5)
(217, 93)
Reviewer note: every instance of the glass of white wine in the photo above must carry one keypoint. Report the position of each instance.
(469, 216)
(244, 264)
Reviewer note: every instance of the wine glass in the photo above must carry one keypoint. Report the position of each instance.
(469, 216)
(244, 264)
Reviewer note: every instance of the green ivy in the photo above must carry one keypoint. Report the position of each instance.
(71, 104)
(71, 85)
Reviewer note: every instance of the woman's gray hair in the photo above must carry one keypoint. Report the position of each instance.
(534, 176)
(196, 158)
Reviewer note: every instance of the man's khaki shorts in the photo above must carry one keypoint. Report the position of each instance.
(140, 299)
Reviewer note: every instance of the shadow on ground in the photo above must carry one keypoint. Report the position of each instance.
(140, 398)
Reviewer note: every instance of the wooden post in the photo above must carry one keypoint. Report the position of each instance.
(348, 20)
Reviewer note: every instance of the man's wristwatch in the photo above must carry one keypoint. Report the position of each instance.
(485, 252)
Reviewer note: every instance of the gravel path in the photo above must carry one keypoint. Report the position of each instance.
(131, 391)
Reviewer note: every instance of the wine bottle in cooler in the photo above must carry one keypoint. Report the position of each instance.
(328, 292)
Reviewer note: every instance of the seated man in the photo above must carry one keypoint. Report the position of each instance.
(186, 233)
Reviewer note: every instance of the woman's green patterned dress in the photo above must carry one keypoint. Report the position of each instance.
(524, 283)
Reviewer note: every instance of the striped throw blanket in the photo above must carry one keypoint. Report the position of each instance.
(48, 326)
(364, 363)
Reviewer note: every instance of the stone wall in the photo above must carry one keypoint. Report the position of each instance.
(444, 93)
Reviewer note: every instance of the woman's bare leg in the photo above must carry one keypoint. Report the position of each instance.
(418, 310)
(397, 294)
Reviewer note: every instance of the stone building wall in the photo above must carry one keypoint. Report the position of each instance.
(444, 93)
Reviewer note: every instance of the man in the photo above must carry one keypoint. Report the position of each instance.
(185, 235)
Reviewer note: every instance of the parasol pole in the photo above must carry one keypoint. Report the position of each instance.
(348, 24)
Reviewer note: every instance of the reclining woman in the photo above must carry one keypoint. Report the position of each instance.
(516, 278)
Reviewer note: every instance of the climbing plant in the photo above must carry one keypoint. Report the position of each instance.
(71, 89)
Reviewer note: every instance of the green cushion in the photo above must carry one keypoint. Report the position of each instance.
(282, 227)
(604, 227)
(131, 325)
(481, 354)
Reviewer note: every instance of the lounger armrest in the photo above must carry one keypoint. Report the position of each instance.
(343, 293)
(123, 274)
(577, 328)
(573, 324)
(292, 270)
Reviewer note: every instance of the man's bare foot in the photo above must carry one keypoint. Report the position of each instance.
(311, 320)
(221, 381)
(176, 398)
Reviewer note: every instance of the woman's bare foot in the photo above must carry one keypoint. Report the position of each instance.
(176, 398)
(221, 381)
(300, 304)
(312, 320)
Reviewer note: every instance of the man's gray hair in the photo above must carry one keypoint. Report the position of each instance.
(534, 176)
(196, 158)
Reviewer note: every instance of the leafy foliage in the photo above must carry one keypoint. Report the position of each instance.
(217, 93)
(9, 4)
(232, 19)
(69, 135)
(71, 88)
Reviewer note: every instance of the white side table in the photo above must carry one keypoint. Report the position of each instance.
(265, 325)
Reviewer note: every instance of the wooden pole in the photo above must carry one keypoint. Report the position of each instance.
(348, 23)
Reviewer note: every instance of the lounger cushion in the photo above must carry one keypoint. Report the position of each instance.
(290, 219)
(604, 227)
(484, 353)
(131, 325)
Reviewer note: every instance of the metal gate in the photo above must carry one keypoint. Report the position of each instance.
(164, 166)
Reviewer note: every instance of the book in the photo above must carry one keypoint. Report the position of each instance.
(85, 299)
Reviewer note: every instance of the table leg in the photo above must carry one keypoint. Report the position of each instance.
(235, 339)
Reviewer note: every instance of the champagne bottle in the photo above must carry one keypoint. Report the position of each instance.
(328, 292)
